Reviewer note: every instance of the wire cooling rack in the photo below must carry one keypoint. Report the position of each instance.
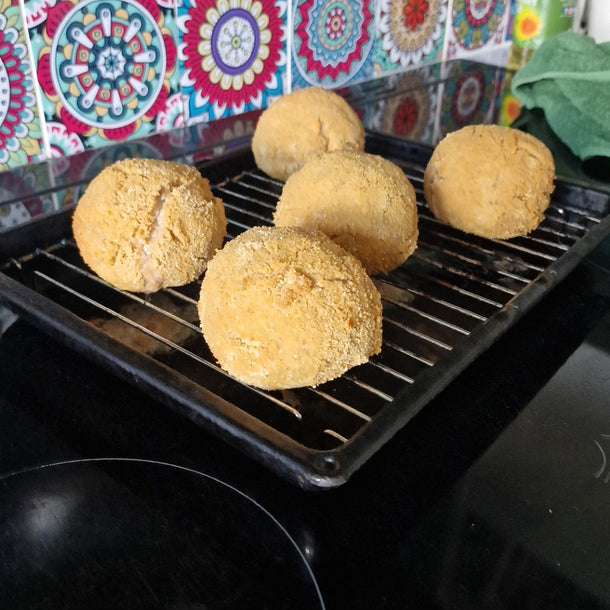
(441, 309)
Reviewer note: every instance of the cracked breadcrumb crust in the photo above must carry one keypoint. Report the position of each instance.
(147, 224)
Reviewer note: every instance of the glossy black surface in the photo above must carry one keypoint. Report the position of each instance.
(143, 534)
(493, 497)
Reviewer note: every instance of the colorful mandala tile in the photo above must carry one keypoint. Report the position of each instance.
(477, 24)
(20, 127)
(412, 114)
(509, 106)
(106, 68)
(411, 32)
(232, 56)
(36, 11)
(470, 95)
(332, 42)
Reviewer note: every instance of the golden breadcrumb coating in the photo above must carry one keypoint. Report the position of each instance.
(145, 224)
(491, 181)
(300, 125)
(363, 202)
(284, 308)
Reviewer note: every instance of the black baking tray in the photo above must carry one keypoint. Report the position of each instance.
(442, 308)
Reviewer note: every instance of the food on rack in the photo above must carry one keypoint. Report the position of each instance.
(145, 224)
(281, 307)
(490, 181)
(364, 202)
(300, 125)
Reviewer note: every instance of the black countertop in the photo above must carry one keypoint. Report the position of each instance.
(494, 496)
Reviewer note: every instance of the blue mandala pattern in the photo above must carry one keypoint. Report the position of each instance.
(475, 22)
(20, 126)
(332, 42)
(106, 68)
(103, 56)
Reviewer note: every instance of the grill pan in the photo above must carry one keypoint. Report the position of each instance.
(448, 303)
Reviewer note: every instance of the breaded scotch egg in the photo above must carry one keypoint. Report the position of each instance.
(491, 181)
(145, 224)
(364, 202)
(299, 125)
(284, 308)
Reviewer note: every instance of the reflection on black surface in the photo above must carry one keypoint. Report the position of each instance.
(527, 526)
(135, 534)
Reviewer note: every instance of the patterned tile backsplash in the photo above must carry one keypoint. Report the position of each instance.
(233, 56)
(21, 130)
(78, 75)
(332, 42)
(107, 70)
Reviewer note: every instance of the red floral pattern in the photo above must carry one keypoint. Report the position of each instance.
(478, 11)
(414, 12)
(328, 47)
(405, 117)
(17, 91)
